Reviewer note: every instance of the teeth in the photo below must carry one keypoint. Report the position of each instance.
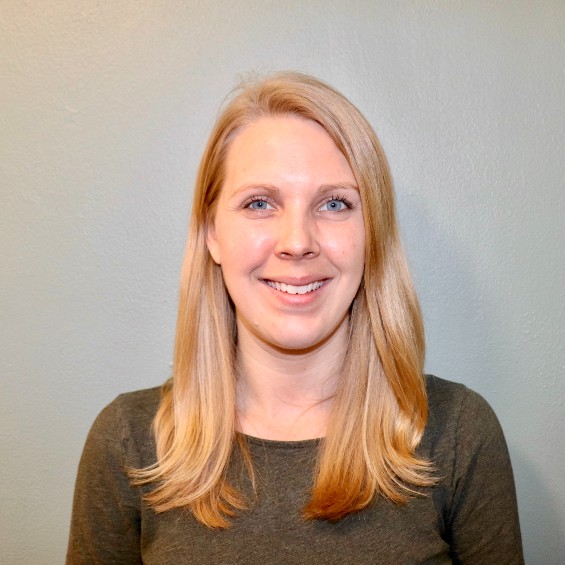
(291, 289)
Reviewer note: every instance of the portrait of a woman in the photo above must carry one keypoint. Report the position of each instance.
(298, 425)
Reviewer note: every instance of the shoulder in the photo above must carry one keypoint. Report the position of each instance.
(130, 410)
(443, 393)
(458, 418)
(139, 406)
(107, 509)
(475, 494)
(447, 399)
(125, 425)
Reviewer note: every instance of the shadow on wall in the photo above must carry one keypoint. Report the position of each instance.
(542, 533)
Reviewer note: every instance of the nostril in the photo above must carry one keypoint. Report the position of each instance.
(297, 255)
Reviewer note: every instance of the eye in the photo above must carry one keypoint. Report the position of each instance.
(258, 203)
(335, 204)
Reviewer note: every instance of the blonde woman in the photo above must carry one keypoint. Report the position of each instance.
(298, 426)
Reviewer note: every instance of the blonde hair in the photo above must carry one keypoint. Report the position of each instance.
(380, 407)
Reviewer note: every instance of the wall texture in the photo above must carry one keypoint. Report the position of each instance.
(104, 111)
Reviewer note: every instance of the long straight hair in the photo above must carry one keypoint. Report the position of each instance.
(379, 410)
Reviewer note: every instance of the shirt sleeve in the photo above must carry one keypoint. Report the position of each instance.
(105, 524)
(483, 520)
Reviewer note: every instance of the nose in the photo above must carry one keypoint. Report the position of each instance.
(297, 238)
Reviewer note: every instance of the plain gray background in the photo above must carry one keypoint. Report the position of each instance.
(105, 108)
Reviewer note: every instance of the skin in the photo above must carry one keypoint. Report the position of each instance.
(289, 213)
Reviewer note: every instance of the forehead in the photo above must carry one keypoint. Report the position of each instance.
(287, 146)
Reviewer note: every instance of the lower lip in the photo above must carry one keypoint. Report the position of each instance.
(297, 299)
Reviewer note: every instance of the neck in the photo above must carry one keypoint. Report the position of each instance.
(287, 395)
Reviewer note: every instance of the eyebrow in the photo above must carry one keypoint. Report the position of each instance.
(273, 189)
(338, 186)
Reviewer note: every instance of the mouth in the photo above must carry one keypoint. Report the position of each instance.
(295, 289)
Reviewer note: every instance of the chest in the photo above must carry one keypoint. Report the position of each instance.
(273, 532)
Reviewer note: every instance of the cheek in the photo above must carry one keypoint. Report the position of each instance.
(244, 249)
(347, 246)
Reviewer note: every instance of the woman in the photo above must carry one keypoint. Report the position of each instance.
(298, 426)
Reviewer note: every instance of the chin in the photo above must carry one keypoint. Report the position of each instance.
(296, 342)
(294, 346)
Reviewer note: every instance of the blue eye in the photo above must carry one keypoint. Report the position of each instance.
(258, 204)
(335, 205)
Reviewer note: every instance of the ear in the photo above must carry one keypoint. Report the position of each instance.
(212, 243)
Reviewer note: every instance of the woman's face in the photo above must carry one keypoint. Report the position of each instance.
(288, 233)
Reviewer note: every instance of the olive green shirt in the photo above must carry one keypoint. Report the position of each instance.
(469, 517)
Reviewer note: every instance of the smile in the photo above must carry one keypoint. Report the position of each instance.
(292, 289)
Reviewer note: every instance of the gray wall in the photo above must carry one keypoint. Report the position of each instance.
(105, 107)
